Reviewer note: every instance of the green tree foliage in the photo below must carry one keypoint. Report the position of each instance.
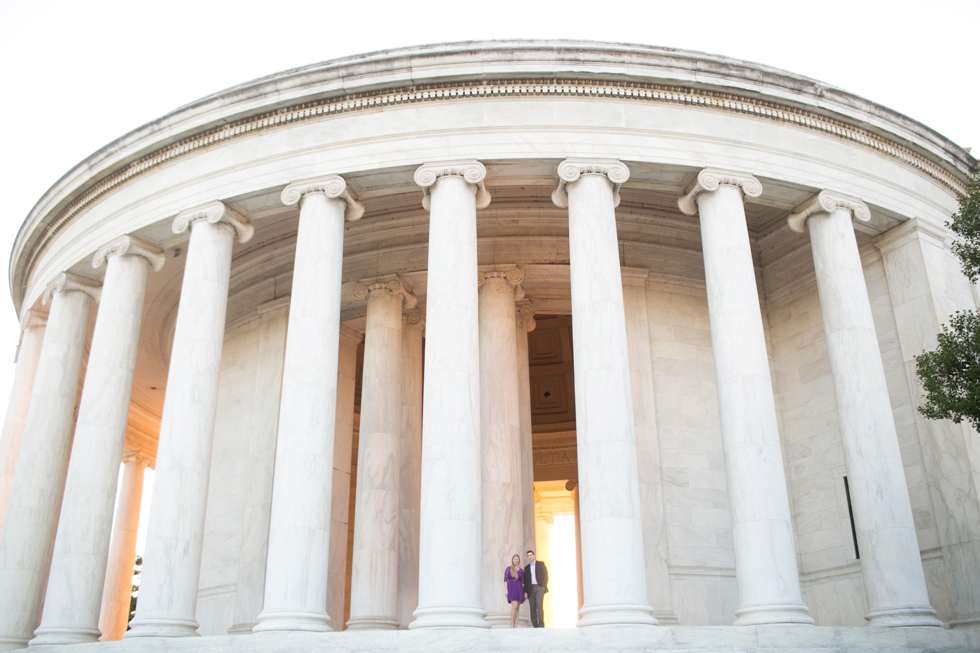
(950, 374)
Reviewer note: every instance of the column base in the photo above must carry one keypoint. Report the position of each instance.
(11, 644)
(616, 615)
(903, 618)
(764, 615)
(242, 629)
(316, 622)
(966, 622)
(372, 623)
(449, 617)
(58, 636)
(665, 617)
(151, 627)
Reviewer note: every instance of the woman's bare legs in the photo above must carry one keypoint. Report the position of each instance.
(515, 609)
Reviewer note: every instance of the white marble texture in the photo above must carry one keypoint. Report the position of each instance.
(32, 515)
(118, 590)
(450, 511)
(73, 598)
(893, 576)
(172, 559)
(500, 425)
(410, 464)
(263, 427)
(525, 324)
(28, 354)
(299, 531)
(609, 494)
(765, 554)
(647, 445)
(374, 569)
(342, 451)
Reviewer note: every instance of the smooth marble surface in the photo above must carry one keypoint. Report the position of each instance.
(893, 577)
(299, 531)
(765, 555)
(527, 454)
(25, 550)
(73, 598)
(118, 591)
(450, 545)
(174, 541)
(410, 465)
(609, 494)
(374, 570)
(28, 354)
(500, 425)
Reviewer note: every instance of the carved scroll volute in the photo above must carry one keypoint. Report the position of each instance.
(472, 171)
(710, 179)
(570, 170)
(215, 212)
(132, 246)
(333, 186)
(827, 201)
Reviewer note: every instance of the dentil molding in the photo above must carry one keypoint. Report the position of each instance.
(472, 171)
(333, 186)
(827, 201)
(67, 281)
(214, 213)
(134, 247)
(570, 170)
(393, 285)
(709, 179)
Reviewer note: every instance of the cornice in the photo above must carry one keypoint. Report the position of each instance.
(67, 281)
(215, 212)
(333, 186)
(472, 171)
(827, 201)
(710, 179)
(570, 170)
(75, 194)
(132, 246)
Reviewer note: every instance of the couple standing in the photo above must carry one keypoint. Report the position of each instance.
(528, 584)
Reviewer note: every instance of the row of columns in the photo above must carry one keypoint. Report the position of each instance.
(456, 476)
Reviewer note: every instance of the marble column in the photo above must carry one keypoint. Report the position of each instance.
(500, 423)
(172, 560)
(647, 444)
(374, 565)
(254, 547)
(890, 561)
(342, 445)
(762, 532)
(35, 499)
(609, 491)
(28, 353)
(118, 591)
(299, 531)
(525, 324)
(81, 550)
(450, 511)
(410, 466)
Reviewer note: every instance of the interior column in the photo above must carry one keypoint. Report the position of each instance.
(410, 468)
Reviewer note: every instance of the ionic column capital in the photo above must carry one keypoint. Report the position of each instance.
(33, 318)
(414, 317)
(570, 170)
(67, 281)
(132, 246)
(827, 201)
(525, 315)
(214, 213)
(392, 284)
(139, 458)
(472, 171)
(710, 179)
(514, 276)
(333, 186)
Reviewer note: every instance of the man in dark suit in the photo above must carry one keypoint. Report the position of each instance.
(535, 587)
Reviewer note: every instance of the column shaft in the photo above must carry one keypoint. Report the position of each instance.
(524, 326)
(28, 354)
(762, 531)
(503, 532)
(118, 590)
(25, 551)
(410, 470)
(299, 533)
(609, 493)
(172, 560)
(81, 550)
(374, 571)
(450, 544)
(893, 576)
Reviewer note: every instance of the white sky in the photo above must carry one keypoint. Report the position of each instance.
(76, 75)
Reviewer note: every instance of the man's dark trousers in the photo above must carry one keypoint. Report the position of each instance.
(536, 597)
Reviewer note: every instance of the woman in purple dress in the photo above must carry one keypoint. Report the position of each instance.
(514, 579)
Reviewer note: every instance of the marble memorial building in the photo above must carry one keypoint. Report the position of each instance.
(350, 313)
